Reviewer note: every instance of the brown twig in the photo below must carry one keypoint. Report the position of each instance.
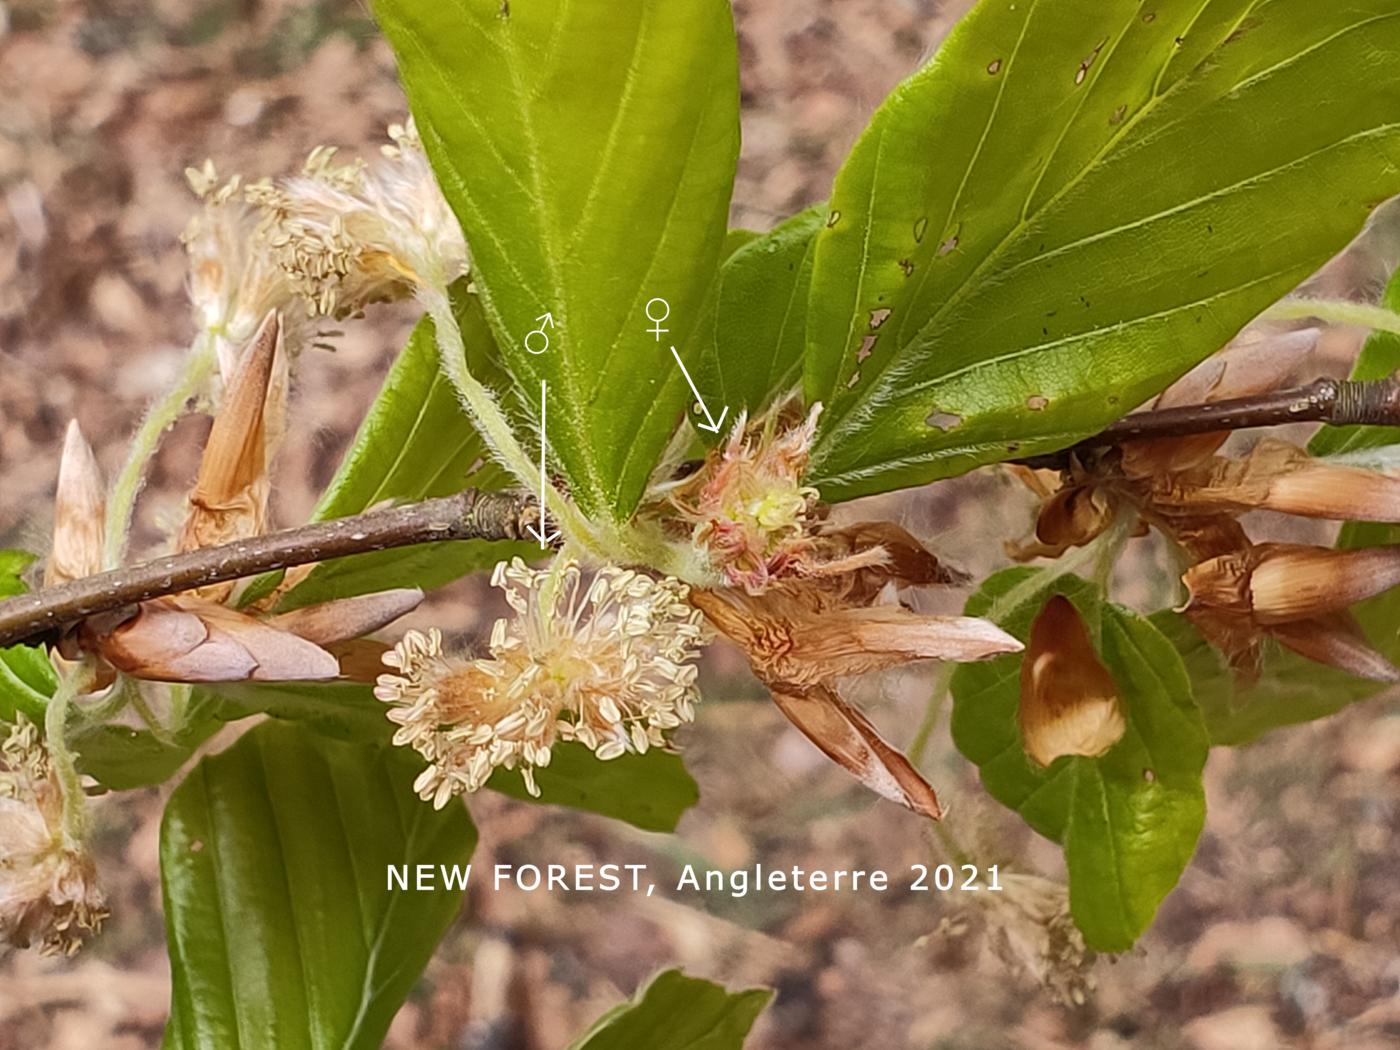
(468, 515)
(1337, 402)
(505, 516)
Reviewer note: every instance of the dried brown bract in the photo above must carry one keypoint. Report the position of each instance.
(198, 636)
(1069, 701)
(1299, 596)
(229, 500)
(1194, 496)
(801, 635)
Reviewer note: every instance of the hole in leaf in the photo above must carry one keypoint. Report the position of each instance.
(1151, 16)
(1149, 776)
(907, 266)
(855, 378)
(994, 67)
(867, 346)
(944, 421)
(1037, 402)
(1118, 115)
(948, 245)
(879, 317)
(920, 228)
(833, 219)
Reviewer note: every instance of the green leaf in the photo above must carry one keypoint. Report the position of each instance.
(676, 1012)
(12, 566)
(121, 757)
(589, 152)
(1289, 690)
(761, 322)
(1129, 819)
(1072, 204)
(282, 926)
(341, 710)
(415, 443)
(27, 678)
(648, 791)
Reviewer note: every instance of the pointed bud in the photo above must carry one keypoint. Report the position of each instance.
(1069, 701)
(80, 508)
(1275, 583)
(1335, 492)
(1278, 476)
(1296, 582)
(1296, 593)
(229, 501)
(347, 618)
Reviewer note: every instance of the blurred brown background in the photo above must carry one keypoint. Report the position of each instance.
(1284, 932)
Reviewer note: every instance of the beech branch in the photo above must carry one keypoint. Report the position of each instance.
(468, 515)
(473, 514)
(1337, 402)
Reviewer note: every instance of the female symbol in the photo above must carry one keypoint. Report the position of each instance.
(656, 321)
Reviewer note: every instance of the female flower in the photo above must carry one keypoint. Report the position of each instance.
(747, 505)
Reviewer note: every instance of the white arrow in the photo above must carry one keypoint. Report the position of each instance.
(546, 319)
(711, 423)
(539, 532)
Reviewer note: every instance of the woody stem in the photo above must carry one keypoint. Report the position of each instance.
(468, 515)
(1337, 402)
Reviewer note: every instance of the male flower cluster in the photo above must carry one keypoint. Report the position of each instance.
(328, 241)
(48, 883)
(606, 662)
